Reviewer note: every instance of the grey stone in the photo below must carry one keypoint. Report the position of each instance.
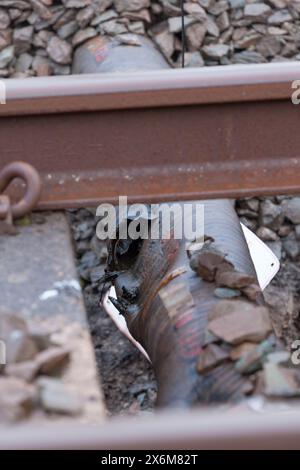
(226, 293)
(26, 370)
(269, 46)
(63, 17)
(42, 66)
(291, 247)
(106, 16)
(22, 38)
(24, 62)
(5, 39)
(67, 29)
(248, 57)
(237, 352)
(275, 31)
(276, 247)
(205, 3)
(267, 234)
(40, 334)
(253, 360)
(271, 215)
(112, 28)
(175, 23)
(279, 3)
(279, 357)
(257, 11)
(192, 59)
(19, 4)
(127, 40)
(14, 331)
(280, 17)
(169, 8)
(84, 16)
(196, 11)
(195, 35)
(212, 27)
(209, 338)
(291, 209)
(166, 42)
(236, 3)
(248, 40)
(42, 38)
(252, 292)
(289, 50)
(83, 35)
(16, 399)
(142, 15)
(218, 7)
(59, 50)
(130, 5)
(4, 19)
(215, 51)
(223, 21)
(280, 381)
(206, 262)
(297, 231)
(59, 69)
(285, 230)
(19, 347)
(6, 56)
(41, 9)
(233, 279)
(97, 273)
(137, 27)
(52, 359)
(55, 397)
(210, 357)
(77, 3)
(239, 321)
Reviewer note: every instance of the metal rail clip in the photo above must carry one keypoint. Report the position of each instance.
(8, 210)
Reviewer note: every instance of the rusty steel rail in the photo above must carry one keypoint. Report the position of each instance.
(176, 134)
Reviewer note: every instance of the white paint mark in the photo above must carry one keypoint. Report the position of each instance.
(48, 294)
(66, 286)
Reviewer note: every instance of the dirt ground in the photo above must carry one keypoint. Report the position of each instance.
(127, 377)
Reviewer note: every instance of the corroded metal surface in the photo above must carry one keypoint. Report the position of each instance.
(33, 187)
(174, 337)
(175, 134)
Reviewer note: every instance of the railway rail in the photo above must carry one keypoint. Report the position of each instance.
(155, 136)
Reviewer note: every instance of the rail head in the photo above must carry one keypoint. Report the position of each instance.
(98, 136)
(197, 429)
(178, 87)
